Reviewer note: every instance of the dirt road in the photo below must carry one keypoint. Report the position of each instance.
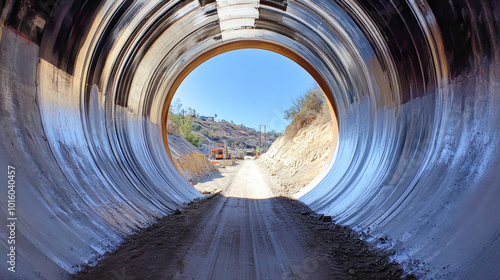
(243, 233)
(248, 235)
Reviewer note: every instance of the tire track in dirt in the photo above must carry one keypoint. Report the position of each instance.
(244, 233)
(265, 243)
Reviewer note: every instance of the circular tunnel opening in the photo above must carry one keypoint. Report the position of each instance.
(245, 99)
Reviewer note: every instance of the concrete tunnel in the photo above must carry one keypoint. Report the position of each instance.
(414, 84)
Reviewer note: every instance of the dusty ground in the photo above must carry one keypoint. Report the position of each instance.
(245, 232)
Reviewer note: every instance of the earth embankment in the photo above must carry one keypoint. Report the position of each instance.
(192, 165)
(294, 161)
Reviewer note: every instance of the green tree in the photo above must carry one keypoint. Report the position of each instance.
(183, 125)
(195, 141)
(174, 122)
(185, 130)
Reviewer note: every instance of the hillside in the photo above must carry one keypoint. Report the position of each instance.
(297, 157)
(294, 163)
(198, 129)
(212, 131)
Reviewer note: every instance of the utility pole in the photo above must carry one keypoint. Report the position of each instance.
(265, 137)
(265, 140)
(259, 137)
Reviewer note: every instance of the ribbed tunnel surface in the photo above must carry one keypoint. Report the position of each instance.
(84, 87)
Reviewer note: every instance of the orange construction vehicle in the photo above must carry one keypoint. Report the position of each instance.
(221, 152)
(218, 153)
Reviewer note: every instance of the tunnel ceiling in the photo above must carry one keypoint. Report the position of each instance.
(85, 87)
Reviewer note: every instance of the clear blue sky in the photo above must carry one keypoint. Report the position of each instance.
(247, 86)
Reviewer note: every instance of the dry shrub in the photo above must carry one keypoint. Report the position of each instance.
(305, 110)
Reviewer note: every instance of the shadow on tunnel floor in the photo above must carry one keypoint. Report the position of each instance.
(164, 250)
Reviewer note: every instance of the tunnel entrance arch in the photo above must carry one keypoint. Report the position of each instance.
(239, 45)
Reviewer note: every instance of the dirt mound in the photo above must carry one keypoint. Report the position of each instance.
(192, 165)
(295, 162)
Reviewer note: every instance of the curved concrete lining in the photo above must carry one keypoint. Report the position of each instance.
(415, 87)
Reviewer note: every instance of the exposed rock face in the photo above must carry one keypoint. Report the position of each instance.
(192, 165)
(295, 162)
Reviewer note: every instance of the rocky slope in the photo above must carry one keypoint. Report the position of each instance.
(295, 161)
(192, 165)
(211, 131)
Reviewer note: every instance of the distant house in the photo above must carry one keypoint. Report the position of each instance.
(204, 118)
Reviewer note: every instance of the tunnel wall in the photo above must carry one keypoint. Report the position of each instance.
(414, 85)
(77, 194)
(428, 181)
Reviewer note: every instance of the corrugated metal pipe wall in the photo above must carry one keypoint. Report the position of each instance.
(414, 84)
